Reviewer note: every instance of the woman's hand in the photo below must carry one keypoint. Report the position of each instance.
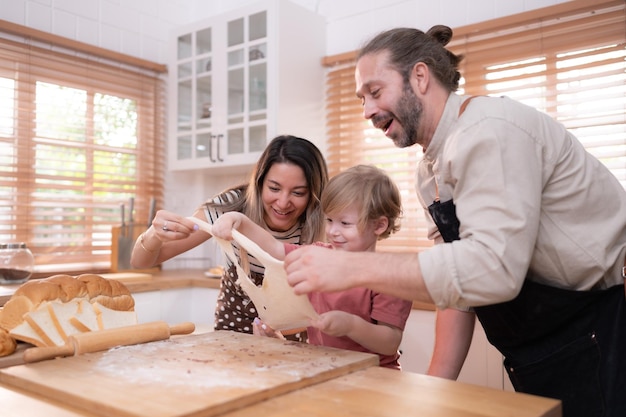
(169, 226)
(223, 226)
(168, 236)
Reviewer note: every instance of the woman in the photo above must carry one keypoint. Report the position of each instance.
(283, 196)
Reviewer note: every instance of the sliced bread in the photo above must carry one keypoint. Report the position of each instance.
(109, 318)
(61, 313)
(41, 322)
(85, 319)
(26, 333)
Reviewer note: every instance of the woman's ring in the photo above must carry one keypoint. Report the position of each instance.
(165, 226)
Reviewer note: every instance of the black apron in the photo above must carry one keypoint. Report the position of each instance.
(563, 344)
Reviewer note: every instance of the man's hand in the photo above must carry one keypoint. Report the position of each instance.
(314, 268)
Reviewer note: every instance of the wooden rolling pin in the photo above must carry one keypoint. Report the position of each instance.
(109, 338)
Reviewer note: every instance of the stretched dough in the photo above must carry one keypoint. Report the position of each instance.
(275, 301)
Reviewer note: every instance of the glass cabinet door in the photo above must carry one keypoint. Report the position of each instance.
(184, 83)
(220, 92)
(204, 87)
(194, 91)
(236, 70)
(184, 91)
(257, 52)
(247, 84)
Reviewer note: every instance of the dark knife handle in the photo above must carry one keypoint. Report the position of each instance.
(152, 210)
(131, 209)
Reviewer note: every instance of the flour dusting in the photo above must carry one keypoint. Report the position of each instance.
(187, 363)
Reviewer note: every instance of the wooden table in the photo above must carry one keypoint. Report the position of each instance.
(16, 403)
(174, 379)
(381, 392)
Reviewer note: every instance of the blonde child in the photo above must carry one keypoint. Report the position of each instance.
(361, 206)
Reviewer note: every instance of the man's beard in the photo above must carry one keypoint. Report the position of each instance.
(408, 113)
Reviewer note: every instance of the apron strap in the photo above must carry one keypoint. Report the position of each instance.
(461, 110)
(624, 276)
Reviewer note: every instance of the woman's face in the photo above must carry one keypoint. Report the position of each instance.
(285, 196)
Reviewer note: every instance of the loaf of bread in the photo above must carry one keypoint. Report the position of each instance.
(7, 343)
(93, 288)
(45, 312)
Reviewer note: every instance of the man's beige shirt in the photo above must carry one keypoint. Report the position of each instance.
(529, 198)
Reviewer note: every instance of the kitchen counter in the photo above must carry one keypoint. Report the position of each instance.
(56, 388)
(165, 279)
(235, 375)
(16, 403)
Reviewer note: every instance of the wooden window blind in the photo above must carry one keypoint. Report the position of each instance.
(567, 60)
(81, 132)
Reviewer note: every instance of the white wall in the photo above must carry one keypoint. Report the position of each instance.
(141, 28)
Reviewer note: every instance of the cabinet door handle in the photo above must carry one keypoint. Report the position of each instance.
(219, 137)
(213, 137)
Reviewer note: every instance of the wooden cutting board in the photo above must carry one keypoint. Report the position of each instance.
(197, 375)
(128, 276)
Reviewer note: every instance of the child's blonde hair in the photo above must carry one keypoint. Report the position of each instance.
(370, 190)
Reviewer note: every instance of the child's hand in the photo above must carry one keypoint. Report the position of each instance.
(223, 226)
(261, 329)
(334, 323)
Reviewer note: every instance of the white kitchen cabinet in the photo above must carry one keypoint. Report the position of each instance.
(177, 305)
(241, 78)
(483, 365)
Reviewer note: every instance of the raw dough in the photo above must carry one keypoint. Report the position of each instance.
(278, 306)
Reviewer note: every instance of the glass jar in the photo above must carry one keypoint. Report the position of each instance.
(16, 263)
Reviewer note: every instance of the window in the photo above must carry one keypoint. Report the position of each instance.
(567, 60)
(79, 136)
(352, 140)
(569, 63)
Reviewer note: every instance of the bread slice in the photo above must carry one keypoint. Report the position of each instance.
(25, 333)
(109, 318)
(85, 319)
(41, 322)
(61, 313)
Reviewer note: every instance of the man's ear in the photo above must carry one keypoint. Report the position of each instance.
(420, 77)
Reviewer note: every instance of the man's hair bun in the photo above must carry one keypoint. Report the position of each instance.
(441, 33)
